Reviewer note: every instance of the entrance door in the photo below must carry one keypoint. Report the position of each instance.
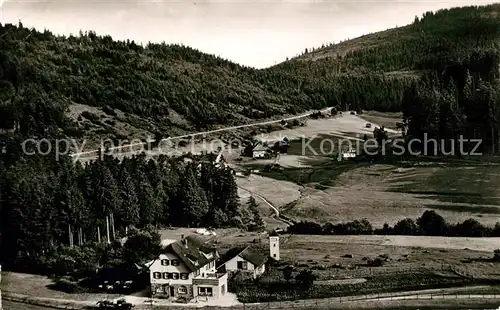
(172, 291)
(223, 289)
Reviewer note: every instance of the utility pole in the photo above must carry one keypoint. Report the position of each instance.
(98, 234)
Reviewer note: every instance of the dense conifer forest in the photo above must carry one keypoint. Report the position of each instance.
(151, 83)
(441, 71)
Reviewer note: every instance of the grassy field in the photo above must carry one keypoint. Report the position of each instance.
(405, 254)
(328, 190)
(38, 286)
(409, 263)
(388, 120)
(328, 255)
(386, 193)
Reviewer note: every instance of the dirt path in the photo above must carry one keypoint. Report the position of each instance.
(276, 211)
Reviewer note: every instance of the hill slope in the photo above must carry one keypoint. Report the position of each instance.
(92, 85)
(430, 42)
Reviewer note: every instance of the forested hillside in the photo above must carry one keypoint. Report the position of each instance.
(166, 89)
(431, 42)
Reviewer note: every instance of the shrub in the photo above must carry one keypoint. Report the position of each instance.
(109, 111)
(66, 286)
(377, 262)
(405, 227)
(496, 255)
(91, 116)
(305, 279)
(432, 224)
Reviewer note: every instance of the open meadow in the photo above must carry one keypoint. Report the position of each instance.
(344, 264)
(384, 193)
(313, 185)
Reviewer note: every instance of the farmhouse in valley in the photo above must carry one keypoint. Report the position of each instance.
(247, 260)
(186, 270)
(261, 151)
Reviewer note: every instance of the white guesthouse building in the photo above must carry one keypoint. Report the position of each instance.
(186, 270)
(247, 260)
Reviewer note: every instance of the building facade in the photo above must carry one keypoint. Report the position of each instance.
(249, 261)
(186, 270)
(261, 151)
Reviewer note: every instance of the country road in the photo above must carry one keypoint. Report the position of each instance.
(79, 155)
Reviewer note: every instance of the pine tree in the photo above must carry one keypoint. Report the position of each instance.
(257, 224)
(194, 204)
(129, 214)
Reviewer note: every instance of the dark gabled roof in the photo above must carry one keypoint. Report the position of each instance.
(231, 253)
(192, 255)
(254, 255)
(248, 253)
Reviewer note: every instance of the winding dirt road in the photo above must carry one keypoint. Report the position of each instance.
(276, 211)
(94, 152)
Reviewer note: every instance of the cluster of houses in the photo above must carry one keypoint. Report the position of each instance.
(191, 269)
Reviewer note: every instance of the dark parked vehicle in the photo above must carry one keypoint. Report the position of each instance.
(368, 125)
(121, 304)
(353, 113)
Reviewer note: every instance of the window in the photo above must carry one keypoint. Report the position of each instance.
(274, 245)
(170, 275)
(164, 262)
(165, 275)
(205, 291)
(274, 255)
(157, 275)
(242, 265)
(175, 262)
(182, 290)
(184, 276)
(175, 275)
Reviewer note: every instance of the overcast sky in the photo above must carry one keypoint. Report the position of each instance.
(255, 33)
